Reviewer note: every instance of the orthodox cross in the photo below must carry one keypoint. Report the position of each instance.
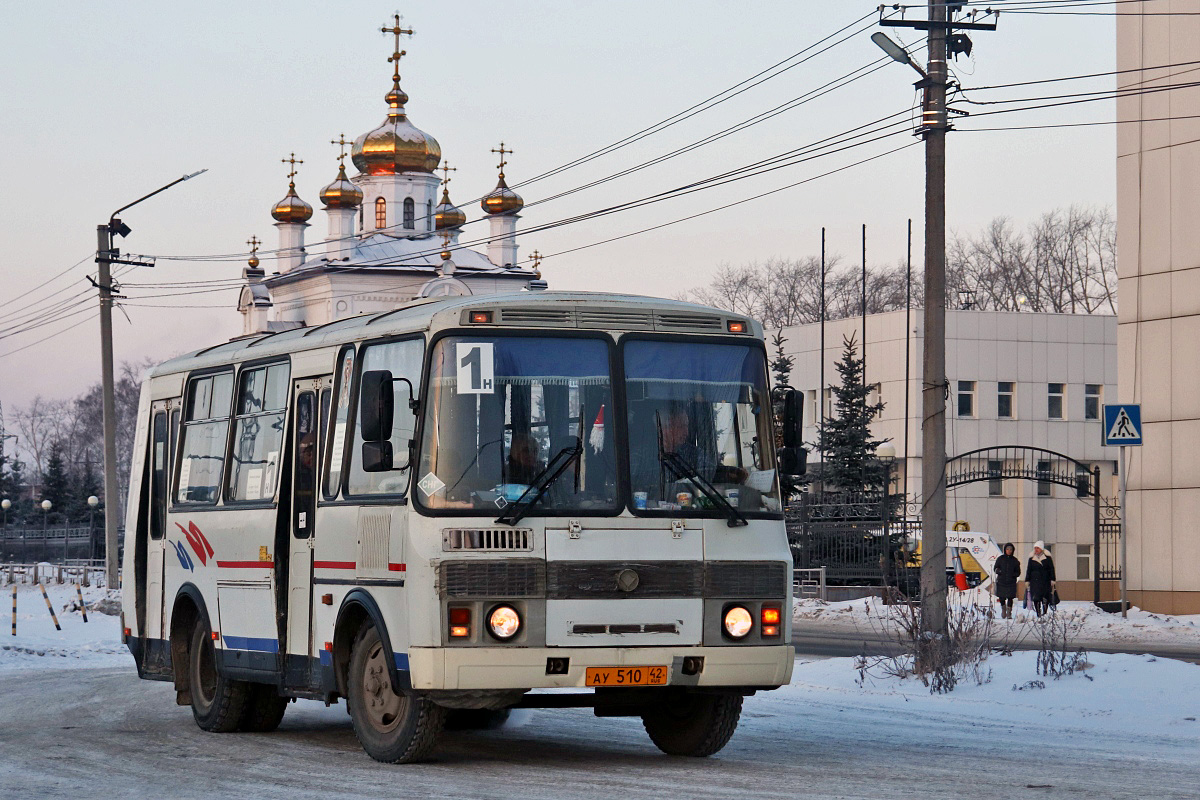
(254, 243)
(341, 142)
(537, 262)
(291, 159)
(397, 31)
(502, 153)
(446, 170)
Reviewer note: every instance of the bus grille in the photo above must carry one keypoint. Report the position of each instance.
(600, 579)
(616, 318)
(492, 579)
(487, 539)
(679, 320)
(749, 579)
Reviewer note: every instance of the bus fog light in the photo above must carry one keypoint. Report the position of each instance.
(504, 622)
(738, 622)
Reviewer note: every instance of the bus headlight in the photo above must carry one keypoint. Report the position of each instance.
(738, 622)
(504, 622)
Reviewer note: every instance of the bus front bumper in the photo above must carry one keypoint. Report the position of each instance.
(526, 668)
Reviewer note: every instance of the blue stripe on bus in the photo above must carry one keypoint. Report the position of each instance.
(251, 643)
(401, 660)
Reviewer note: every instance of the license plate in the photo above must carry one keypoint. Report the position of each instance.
(626, 676)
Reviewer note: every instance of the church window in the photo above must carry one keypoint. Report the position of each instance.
(410, 213)
(380, 212)
(360, 217)
(428, 215)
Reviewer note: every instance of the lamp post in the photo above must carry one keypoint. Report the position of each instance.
(106, 255)
(885, 453)
(5, 505)
(46, 506)
(92, 502)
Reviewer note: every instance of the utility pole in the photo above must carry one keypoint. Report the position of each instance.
(934, 124)
(106, 256)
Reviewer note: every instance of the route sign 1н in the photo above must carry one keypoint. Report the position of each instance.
(1123, 425)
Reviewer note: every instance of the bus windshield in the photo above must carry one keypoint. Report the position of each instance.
(699, 413)
(501, 408)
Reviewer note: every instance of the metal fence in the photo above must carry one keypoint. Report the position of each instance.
(51, 543)
(809, 584)
(82, 571)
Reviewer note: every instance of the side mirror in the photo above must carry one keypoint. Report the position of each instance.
(375, 407)
(793, 418)
(793, 461)
(376, 456)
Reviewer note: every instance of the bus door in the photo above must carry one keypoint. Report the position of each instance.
(159, 461)
(306, 450)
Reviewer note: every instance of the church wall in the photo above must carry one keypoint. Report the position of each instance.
(394, 189)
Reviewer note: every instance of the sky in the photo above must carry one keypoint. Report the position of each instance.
(103, 103)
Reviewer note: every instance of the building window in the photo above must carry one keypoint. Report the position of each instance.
(380, 212)
(1004, 399)
(1091, 400)
(810, 400)
(1043, 478)
(874, 394)
(428, 215)
(410, 214)
(1083, 562)
(995, 482)
(1056, 400)
(828, 403)
(966, 398)
(360, 217)
(1083, 481)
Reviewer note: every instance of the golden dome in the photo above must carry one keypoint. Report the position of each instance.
(291, 208)
(502, 200)
(341, 193)
(397, 145)
(252, 261)
(448, 215)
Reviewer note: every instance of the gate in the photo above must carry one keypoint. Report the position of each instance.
(1048, 466)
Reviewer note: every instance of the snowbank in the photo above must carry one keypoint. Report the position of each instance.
(96, 643)
(1141, 696)
(1094, 625)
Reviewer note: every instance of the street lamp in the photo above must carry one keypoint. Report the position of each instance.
(92, 502)
(897, 52)
(5, 505)
(105, 257)
(46, 506)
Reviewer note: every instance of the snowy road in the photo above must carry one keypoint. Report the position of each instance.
(102, 733)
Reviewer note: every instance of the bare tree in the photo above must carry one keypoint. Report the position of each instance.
(785, 292)
(1064, 262)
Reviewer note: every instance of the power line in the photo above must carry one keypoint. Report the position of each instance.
(48, 281)
(1087, 75)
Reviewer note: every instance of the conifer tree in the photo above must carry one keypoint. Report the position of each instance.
(848, 450)
(781, 368)
(56, 484)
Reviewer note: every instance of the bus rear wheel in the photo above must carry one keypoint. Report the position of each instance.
(393, 728)
(695, 725)
(218, 703)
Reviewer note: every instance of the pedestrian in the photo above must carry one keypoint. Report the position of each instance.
(1008, 570)
(1039, 575)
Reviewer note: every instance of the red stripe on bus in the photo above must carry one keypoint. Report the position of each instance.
(334, 564)
(246, 564)
(396, 567)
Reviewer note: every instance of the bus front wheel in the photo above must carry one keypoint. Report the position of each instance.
(218, 703)
(696, 725)
(393, 728)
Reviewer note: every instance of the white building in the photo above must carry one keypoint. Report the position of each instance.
(1158, 268)
(1021, 379)
(389, 238)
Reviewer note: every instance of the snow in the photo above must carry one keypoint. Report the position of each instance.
(37, 645)
(1091, 624)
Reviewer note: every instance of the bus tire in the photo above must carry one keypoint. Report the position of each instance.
(695, 725)
(393, 728)
(264, 709)
(218, 702)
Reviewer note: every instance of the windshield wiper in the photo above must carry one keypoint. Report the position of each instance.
(541, 483)
(685, 471)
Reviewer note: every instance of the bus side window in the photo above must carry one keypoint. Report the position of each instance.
(160, 457)
(258, 433)
(306, 464)
(338, 429)
(205, 430)
(403, 359)
(323, 423)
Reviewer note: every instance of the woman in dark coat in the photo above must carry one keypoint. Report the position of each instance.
(1008, 569)
(1039, 574)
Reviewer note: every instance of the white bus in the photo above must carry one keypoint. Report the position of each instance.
(432, 511)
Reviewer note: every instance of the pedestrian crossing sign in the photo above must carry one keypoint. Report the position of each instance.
(1123, 425)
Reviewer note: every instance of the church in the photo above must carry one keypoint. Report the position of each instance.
(389, 238)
